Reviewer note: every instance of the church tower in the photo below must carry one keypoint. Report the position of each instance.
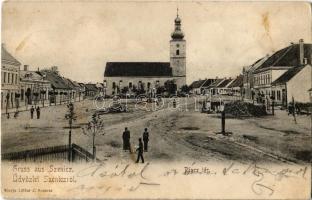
(178, 53)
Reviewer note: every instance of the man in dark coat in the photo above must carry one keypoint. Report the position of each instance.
(38, 112)
(32, 110)
(140, 151)
(145, 139)
(126, 139)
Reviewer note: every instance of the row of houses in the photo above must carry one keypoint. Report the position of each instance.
(218, 86)
(283, 77)
(23, 87)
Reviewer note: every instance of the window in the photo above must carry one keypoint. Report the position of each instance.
(273, 94)
(178, 45)
(15, 78)
(22, 94)
(9, 75)
(130, 84)
(278, 94)
(177, 52)
(5, 77)
(114, 85)
(148, 85)
(12, 78)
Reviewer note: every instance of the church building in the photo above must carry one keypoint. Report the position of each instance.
(148, 76)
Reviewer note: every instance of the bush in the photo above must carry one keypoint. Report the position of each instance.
(301, 107)
(243, 109)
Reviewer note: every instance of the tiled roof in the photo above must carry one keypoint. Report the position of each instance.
(56, 81)
(30, 75)
(8, 58)
(224, 83)
(238, 82)
(91, 87)
(215, 83)
(116, 69)
(284, 78)
(197, 84)
(288, 56)
(208, 82)
(69, 83)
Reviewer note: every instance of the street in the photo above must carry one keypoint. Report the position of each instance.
(175, 135)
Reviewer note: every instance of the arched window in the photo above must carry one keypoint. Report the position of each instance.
(177, 52)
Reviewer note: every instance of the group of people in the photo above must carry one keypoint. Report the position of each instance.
(142, 147)
(32, 110)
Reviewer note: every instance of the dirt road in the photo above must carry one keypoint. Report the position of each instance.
(175, 135)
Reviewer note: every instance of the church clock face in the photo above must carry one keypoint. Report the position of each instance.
(178, 45)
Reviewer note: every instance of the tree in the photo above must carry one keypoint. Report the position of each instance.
(141, 89)
(185, 89)
(94, 127)
(160, 90)
(70, 116)
(124, 90)
(170, 87)
(134, 89)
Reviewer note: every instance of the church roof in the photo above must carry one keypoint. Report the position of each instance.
(138, 69)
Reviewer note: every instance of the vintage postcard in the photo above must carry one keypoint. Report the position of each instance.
(156, 100)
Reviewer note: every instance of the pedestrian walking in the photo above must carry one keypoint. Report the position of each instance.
(38, 112)
(140, 151)
(145, 139)
(32, 110)
(174, 103)
(126, 139)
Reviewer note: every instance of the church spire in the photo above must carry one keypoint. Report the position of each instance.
(177, 33)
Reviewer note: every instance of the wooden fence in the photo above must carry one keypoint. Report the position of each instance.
(54, 153)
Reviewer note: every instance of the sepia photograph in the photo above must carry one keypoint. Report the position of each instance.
(156, 99)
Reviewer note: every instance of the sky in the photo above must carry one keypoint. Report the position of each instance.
(80, 37)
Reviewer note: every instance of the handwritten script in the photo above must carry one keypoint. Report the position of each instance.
(136, 177)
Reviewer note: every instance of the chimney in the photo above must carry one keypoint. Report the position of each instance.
(54, 69)
(25, 67)
(301, 52)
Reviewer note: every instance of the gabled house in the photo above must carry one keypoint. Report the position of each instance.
(10, 69)
(295, 55)
(236, 86)
(196, 87)
(34, 87)
(207, 83)
(294, 83)
(223, 88)
(60, 89)
(212, 88)
(91, 90)
(248, 78)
